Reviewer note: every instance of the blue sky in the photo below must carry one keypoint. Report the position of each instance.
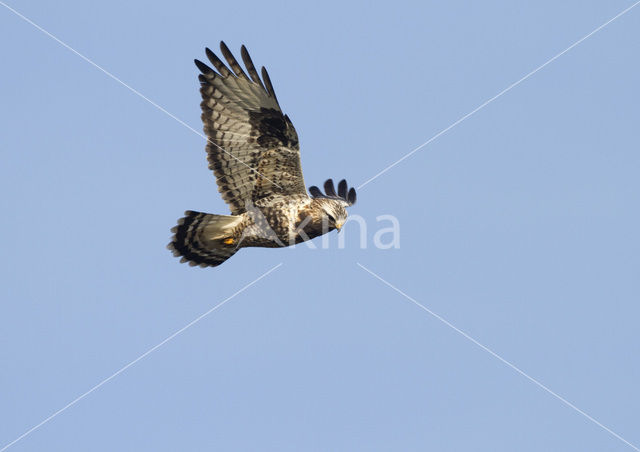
(519, 226)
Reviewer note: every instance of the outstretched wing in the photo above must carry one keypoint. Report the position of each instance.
(252, 146)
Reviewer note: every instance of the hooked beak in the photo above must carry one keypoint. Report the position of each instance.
(339, 226)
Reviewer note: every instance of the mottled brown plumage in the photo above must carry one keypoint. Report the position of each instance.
(254, 152)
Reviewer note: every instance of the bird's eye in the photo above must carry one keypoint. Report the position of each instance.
(333, 220)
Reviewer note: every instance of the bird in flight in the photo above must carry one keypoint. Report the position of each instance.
(253, 150)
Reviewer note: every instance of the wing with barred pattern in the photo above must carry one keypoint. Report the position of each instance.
(252, 146)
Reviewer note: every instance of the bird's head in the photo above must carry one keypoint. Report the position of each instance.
(335, 214)
(334, 204)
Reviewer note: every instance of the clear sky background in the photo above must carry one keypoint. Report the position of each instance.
(519, 226)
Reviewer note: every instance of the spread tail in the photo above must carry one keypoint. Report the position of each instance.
(204, 239)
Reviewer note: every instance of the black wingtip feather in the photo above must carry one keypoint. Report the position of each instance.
(329, 189)
(267, 84)
(351, 196)
(233, 63)
(342, 189)
(248, 63)
(315, 191)
(203, 67)
(217, 63)
(224, 47)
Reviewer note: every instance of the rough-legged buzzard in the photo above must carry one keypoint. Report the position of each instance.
(254, 153)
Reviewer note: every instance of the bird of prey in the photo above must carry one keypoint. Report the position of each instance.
(253, 150)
